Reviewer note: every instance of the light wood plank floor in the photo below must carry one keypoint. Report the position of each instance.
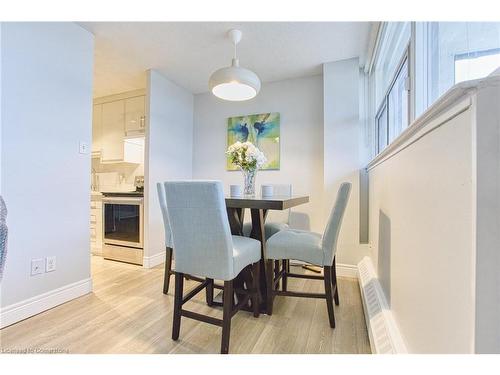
(127, 313)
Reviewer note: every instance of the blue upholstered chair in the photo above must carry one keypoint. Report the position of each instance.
(278, 220)
(203, 246)
(309, 247)
(168, 237)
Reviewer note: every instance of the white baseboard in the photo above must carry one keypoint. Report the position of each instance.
(384, 334)
(343, 270)
(347, 270)
(153, 260)
(21, 310)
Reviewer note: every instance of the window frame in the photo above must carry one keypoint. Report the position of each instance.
(406, 58)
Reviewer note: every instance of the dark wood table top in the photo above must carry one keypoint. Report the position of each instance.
(275, 202)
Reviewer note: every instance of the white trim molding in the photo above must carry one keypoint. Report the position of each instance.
(384, 334)
(347, 270)
(343, 270)
(153, 260)
(35, 305)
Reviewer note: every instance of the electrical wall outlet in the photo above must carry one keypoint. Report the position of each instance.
(50, 264)
(36, 266)
(83, 147)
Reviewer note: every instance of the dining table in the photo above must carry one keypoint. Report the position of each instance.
(259, 207)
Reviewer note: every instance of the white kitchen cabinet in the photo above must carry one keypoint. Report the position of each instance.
(118, 125)
(134, 115)
(113, 131)
(97, 128)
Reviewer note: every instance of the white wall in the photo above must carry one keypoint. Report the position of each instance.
(300, 104)
(344, 151)
(46, 110)
(169, 153)
(434, 204)
(421, 231)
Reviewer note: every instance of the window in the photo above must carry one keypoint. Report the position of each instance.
(392, 117)
(432, 56)
(452, 52)
(382, 140)
(475, 65)
(397, 99)
(394, 40)
(389, 78)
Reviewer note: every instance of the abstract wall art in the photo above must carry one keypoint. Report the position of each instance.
(263, 130)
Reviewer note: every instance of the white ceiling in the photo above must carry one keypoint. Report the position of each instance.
(188, 52)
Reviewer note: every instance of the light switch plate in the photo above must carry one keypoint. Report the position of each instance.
(83, 147)
(50, 264)
(36, 266)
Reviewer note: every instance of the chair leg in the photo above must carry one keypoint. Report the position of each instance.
(179, 285)
(168, 269)
(270, 285)
(329, 294)
(276, 272)
(286, 269)
(334, 283)
(255, 286)
(209, 295)
(226, 317)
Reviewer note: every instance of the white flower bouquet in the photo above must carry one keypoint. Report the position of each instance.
(246, 156)
(249, 159)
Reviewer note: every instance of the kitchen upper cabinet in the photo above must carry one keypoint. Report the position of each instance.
(97, 128)
(118, 128)
(113, 131)
(134, 115)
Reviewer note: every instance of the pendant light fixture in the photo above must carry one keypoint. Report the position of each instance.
(234, 82)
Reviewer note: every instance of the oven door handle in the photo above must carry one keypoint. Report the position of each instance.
(123, 200)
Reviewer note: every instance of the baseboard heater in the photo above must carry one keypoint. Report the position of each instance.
(383, 332)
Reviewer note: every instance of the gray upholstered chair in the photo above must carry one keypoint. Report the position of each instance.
(203, 246)
(3, 235)
(168, 237)
(278, 220)
(309, 247)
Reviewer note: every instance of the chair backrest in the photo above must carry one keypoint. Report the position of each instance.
(163, 206)
(281, 216)
(282, 189)
(331, 234)
(200, 228)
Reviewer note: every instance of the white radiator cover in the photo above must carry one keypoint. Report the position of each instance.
(383, 332)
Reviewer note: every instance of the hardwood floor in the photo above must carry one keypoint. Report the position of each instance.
(127, 313)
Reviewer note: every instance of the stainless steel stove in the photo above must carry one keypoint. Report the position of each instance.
(123, 223)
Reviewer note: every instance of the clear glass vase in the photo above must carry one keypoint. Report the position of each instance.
(249, 183)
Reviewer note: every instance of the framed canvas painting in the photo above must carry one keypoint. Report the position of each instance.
(263, 130)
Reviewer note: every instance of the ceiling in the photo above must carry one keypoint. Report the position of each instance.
(188, 52)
